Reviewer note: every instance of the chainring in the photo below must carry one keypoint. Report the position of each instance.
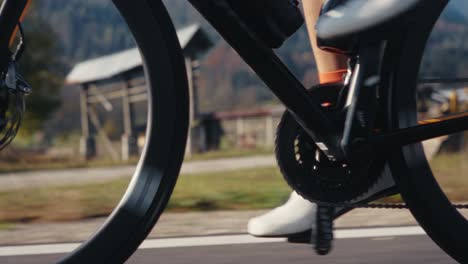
(309, 172)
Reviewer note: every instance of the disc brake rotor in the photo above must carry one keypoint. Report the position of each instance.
(13, 89)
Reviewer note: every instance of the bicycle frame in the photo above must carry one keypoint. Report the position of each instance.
(334, 143)
(143, 203)
(274, 73)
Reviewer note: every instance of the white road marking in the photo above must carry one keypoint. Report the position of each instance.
(213, 241)
(379, 232)
(37, 249)
(207, 241)
(383, 238)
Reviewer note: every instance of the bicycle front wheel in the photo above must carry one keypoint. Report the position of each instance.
(421, 188)
(167, 126)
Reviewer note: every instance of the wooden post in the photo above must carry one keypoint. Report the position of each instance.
(189, 148)
(195, 77)
(455, 141)
(129, 142)
(105, 139)
(239, 131)
(454, 106)
(84, 110)
(87, 141)
(269, 131)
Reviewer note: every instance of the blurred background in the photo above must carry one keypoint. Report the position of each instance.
(85, 124)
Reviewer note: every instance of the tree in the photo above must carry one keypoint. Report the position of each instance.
(40, 66)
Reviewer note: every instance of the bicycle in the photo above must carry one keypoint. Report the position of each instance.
(378, 114)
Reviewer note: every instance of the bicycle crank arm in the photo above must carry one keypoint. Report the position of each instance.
(427, 129)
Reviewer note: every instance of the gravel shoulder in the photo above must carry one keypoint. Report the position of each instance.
(189, 224)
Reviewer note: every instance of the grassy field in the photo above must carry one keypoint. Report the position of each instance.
(238, 190)
(248, 189)
(41, 162)
(245, 189)
(451, 171)
(231, 153)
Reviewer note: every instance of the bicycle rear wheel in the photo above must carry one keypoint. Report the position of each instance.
(159, 165)
(419, 187)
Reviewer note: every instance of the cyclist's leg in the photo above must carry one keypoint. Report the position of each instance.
(330, 66)
(297, 214)
(285, 220)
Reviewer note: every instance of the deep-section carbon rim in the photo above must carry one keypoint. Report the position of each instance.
(427, 202)
(159, 166)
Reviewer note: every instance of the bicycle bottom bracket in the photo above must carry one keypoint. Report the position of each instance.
(309, 172)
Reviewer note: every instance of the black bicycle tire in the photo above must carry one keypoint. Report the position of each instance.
(159, 165)
(416, 182)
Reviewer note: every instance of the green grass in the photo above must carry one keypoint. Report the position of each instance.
(6, 226)
(231, 153)
(237, 190)
(247, 189)
(44, 163)
(451, 171)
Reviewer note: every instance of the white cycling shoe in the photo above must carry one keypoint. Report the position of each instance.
(297, 215)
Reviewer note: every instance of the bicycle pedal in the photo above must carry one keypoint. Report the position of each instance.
(307, 237)
(322, 235)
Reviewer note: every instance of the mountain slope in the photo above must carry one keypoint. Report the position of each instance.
(90, 28)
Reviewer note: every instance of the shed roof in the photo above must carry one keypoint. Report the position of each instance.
(109, 66)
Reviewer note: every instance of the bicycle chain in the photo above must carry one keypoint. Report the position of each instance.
(323, 237)
(390, 206)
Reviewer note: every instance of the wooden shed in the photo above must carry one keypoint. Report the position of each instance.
(120, 76)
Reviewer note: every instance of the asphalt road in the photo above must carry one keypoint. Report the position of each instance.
(401, 249)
